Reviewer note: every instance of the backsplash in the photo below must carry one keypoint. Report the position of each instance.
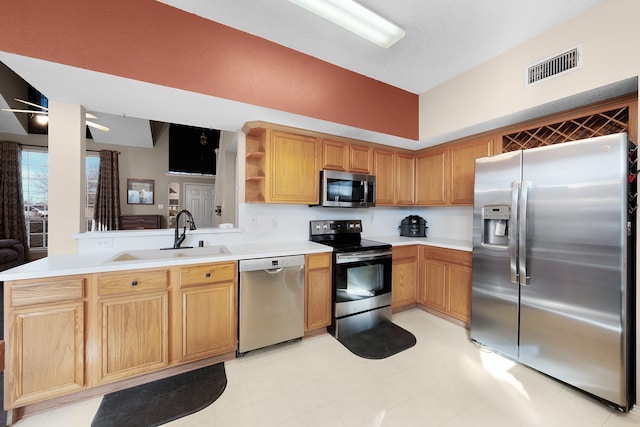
(291, 222)
(282, 223)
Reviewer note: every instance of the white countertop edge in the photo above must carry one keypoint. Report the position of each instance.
(440, 242)
(66, 265)
(152, 232)
(73, 264)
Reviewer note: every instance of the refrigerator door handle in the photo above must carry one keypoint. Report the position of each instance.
(513, 238)
(522, 234)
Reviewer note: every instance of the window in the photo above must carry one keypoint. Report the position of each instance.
(92, 170)
(35, 192)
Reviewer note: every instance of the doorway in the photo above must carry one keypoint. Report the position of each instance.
(199, 201)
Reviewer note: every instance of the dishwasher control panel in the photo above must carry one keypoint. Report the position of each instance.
(270, 263)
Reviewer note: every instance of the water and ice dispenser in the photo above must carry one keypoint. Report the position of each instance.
(496, 225)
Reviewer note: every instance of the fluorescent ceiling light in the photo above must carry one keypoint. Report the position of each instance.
(356, 18)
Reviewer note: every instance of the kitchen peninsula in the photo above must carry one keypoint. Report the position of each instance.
(84, 324)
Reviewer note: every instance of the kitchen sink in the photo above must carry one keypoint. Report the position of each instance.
(159, 254)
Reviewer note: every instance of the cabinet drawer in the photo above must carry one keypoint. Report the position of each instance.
(318, 261)
(51, 291)
(139, 222)
(404, 251)
(451, 256)
(208, 273)
(132, 281)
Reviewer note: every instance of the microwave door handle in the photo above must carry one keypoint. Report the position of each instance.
(365, 192)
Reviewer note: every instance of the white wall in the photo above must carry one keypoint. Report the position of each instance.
(609, 34)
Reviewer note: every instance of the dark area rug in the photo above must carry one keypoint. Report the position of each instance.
(379, 342)
(162, 401)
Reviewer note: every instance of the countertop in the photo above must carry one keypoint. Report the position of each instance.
(63, 265)
(457, 244)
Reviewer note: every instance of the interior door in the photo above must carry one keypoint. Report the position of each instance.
(199, 200)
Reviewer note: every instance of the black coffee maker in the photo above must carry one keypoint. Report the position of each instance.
(413, 226)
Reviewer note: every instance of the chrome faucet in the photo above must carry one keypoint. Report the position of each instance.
(179, 238)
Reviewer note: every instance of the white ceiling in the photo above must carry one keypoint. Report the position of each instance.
(444, 38)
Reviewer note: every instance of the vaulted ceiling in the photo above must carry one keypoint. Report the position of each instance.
(444, 39)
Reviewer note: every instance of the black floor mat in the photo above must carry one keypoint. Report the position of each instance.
(380, 342)
(162, 401)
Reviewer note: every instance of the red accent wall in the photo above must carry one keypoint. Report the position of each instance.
(152, 42)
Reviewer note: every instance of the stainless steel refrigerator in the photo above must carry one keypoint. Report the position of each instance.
(553, 263)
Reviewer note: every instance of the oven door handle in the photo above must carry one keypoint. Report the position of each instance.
(342, 258)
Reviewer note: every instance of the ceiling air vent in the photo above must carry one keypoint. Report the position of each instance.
(558, 64)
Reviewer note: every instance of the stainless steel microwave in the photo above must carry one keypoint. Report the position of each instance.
(347, 190)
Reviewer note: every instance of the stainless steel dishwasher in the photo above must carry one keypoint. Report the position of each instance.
(271, 301)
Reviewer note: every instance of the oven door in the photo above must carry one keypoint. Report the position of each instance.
(362, 281)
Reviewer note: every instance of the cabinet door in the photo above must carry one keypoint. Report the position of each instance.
(134, 334)
(433, 286)
(46, 352)
(404, 275)
(460, 292)
(208, 320)
(405, 179)
(335, 155)
(384, 170)
(294, 171)
(463, 160)
(360, 159)
(431, 173)
(318, 291)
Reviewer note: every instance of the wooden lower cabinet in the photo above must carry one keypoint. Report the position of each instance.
(44, 333)
(318, 289)
(405, 275)
(72, 333)
(206, 303)
(445, 281)
(133, 322)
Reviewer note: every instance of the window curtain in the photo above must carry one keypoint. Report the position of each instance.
(12, 219)
(106, 214)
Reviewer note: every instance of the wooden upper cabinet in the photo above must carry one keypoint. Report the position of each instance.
(463, 160)
(335, 155)
(445, 174)
(432, 168)
(294, 169)
(342, 156)
(405, 179)
(384, 169)
(281, 167)
(360, 159)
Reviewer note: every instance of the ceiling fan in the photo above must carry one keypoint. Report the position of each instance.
(44, 112)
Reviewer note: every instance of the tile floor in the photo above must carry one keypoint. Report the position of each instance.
(443, 381)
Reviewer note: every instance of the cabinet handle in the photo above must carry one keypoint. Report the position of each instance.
(207, 274)
(134, 283)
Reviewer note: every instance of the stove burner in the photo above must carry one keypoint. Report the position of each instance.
(342, 235)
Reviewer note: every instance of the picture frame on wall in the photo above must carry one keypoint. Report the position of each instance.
(140, 191)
